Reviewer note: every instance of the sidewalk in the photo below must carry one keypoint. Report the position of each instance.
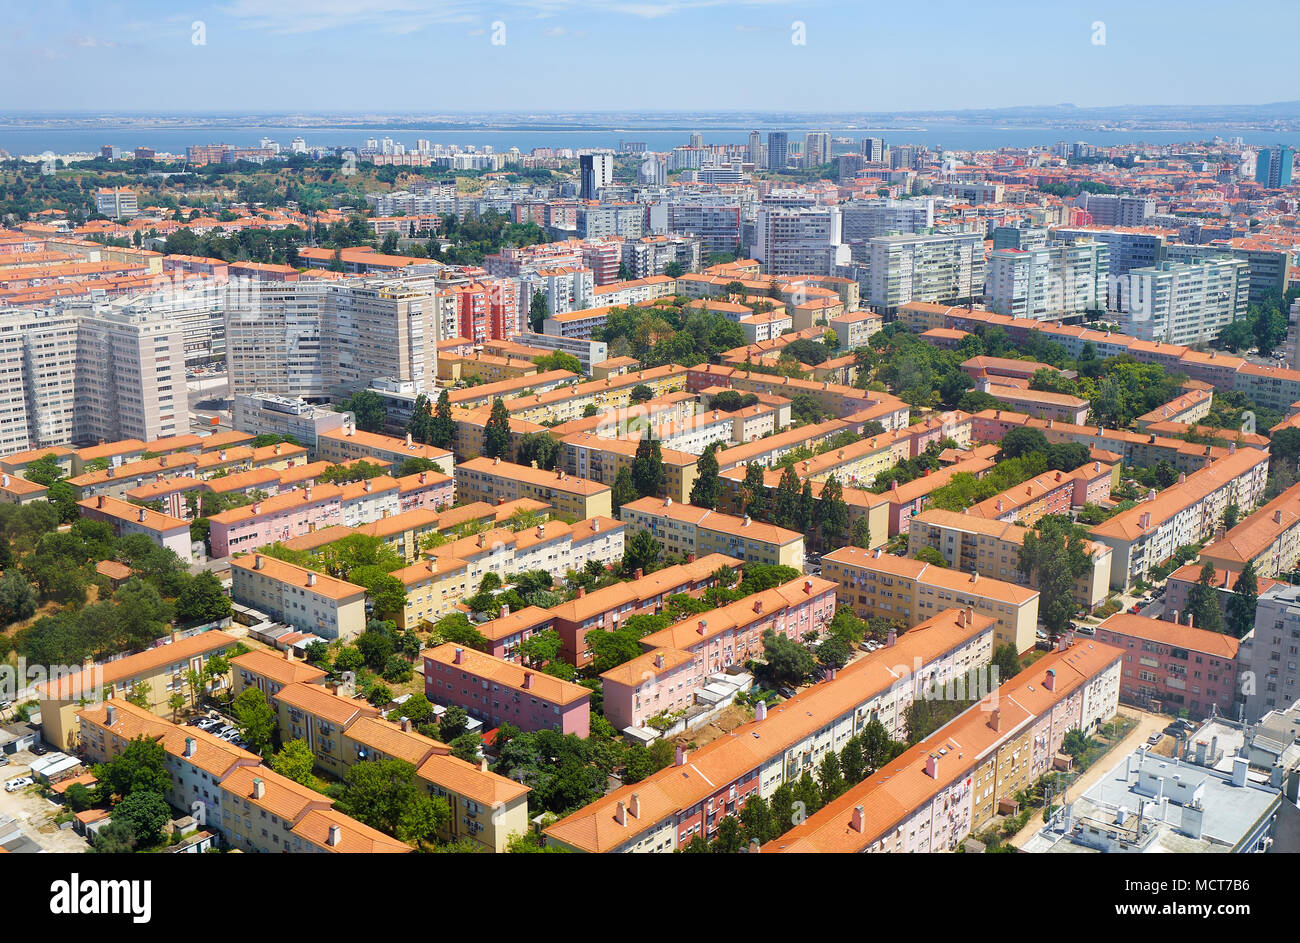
(1147, 725)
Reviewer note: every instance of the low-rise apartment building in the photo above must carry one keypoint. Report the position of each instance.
(667, 809)
(952, 783)
(160, 672)
(1188, 512)
(310, 601)
(684, 529)
(492, 480)
(1170, 667)
(497, 691)
(992, 548)
(877, 584)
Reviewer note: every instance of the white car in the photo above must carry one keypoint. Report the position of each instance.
(20, 783)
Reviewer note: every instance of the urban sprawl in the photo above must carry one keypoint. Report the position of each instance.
(810, 494)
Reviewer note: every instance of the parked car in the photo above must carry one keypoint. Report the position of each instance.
(4, 760)
(1155, 738)
(20, 783)
(786, 691)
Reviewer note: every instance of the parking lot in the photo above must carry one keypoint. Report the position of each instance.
(219, 726)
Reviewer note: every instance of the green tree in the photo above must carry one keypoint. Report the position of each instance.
(1007, 662)
(1242, 603)
(785, 500)
(832, 514)
(1055, 557)
(147, 813)
(368, 408)
(295, 761)
(538, 312)
(787, 662)
(728, 839)
(1203, 601)
(860, 533)
(704, 490)
(386, 794)
(142, 766)
(753, 492)
(255, 719)
(443, 428)
(203, 599)
(830, 778)
(496, 432)
(624, 490)
(648, 468)
(931, 555)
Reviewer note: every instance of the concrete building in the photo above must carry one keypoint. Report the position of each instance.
(1171, 668)
(160, 672)
(1269, 657)
(880, 585)
(310, 601)
(953, 783)
(497, 691)
(1183, 303)
(490, 480)
(940, 269)
(666, 810)
(685, 529)
(1049, 283)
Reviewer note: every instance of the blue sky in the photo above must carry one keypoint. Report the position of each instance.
(400, 56)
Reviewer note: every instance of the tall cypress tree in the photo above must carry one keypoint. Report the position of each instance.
(1242, 603)
(496, 434)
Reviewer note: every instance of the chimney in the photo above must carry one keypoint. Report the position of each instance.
(311, 579)
(99, 501)
(760, 710)
(222, 455)
(668, 502)
(620, 813)
(142, 515)
(423, 476)
(1050, 681)
(307, 492)
(257, 561)
(634, 806)
(257, 507)
(659, 660)
(1277, 516)
(745, 521)
(995, 719)
(482, 764)
(679, 758)
(859, 820)
(1190, 617)
(528, 680)
(408, 440)
(638, 575)
(1240, 766)
(892, 639)
(459, 657)
(932, 766)
(259, 789)
(110, 714)
(702, 627)
(336, 835)
(288, 653)
(595, 525)
(368, 486)
(758, 605)
(975, 576)
(189, 746)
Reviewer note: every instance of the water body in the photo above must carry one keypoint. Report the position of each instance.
(945, 135)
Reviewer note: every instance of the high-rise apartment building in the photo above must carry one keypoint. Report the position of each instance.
(778, 150)
(130, 381)
(873, 149)
(799, 241)
(38, 366)
(597, 170)
(816, 148)
(1115, 209)
(1273, 166)
(754, 154)
(864, 220)
(1048, 283)
(1183, 302)
(940, 269)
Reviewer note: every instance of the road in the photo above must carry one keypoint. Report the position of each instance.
(1147, 724)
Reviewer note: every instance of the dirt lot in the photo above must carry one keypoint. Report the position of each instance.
(35, 814)
(727, 721)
